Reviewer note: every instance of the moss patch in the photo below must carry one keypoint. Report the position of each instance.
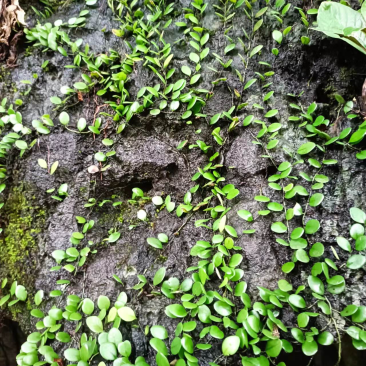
(24, 221)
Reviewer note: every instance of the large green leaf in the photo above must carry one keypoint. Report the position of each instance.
(340, 21)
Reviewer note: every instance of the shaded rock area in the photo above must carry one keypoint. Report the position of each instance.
(147, 158)
(11, 338)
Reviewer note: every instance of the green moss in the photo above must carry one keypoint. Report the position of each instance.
(84, 192)
(346, 73)
(329, 89)
(4, 73)
(29, 51)
(114, 215)
(163, 258)
(23, 222)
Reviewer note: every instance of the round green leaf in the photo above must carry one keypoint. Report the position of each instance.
(349, 310)
(316, 285)
(356, 261)
(360, 243)
(279, 227)
(103, 302)
(302, 256)
(176, 310)
(63, 337)
(108, 351)
(360, 315)
(310, 348)
(325, 339)
(155, 112)
(125, 348)
(159, 346)
(303, 320)
(297, 300)
(21, 293)
(297, 233)
(288, 267)
(115, 336)
(72, 355)
(356, 231)
(34, 337)
(230, 345)
(186, 70)
(222, 308)
(159, 331)
(174, 105)
(20, 144)
(273, 347)
(358, 215)
(283, 285)
(317, 250)
(312, 226)
(316, 199)
(161, 360)
(94, 324)
(246, 215)
(157, 200)
(274, 206)
(126, 314)
(114, 237)
(64, 118)
(277, 36)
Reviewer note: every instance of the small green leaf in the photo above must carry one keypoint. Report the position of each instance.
(306, 148)
(325, 338)
(126, 314)
(159, 276)
(195, 78)
(344, 244)
(312, 226)
(356, 261)
(310, 348)
(273, 347)
(159, 332)
(277, 36)
(186, 70)
(316, 199)
(156, 243)
(255, 50)
(94, 324)
(279, 227)
(297, 301)
(349, 310)
(249, 83)
(358, 215)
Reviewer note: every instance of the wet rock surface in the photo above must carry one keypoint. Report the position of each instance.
(146, 157)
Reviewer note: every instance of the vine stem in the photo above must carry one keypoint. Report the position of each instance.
(311, 192)
(183, 225)
(247, 58)
(338, 335)
(283, 192)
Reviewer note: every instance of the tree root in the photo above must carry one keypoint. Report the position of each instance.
(11, 16)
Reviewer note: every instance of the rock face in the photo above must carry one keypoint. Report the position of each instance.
(147, 158)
